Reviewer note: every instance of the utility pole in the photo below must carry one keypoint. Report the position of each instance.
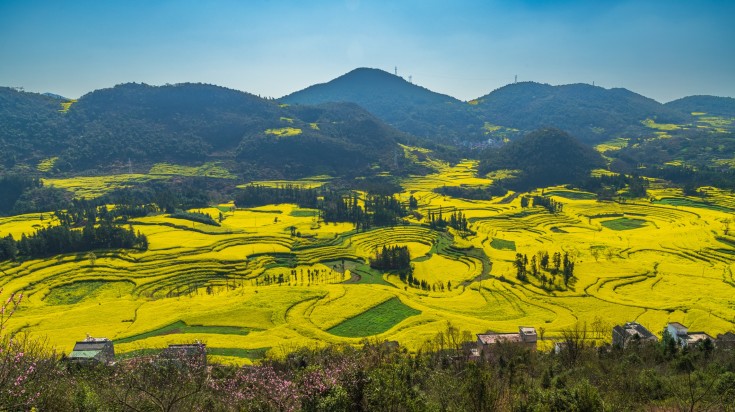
(516, 80)
(410, 78)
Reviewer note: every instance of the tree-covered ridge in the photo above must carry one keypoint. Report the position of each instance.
(133, 126)
(709, 105)
(545, 157)
(592, 114)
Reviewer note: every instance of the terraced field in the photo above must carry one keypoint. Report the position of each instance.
(248, 287)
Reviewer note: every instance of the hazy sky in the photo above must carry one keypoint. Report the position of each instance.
(661, 49)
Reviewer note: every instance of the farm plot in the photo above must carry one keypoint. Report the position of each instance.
(376, 320)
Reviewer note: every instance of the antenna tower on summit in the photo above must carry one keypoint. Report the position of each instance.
(516, 80)
(395, 71)
(410, 78)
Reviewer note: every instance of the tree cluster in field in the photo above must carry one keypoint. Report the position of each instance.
(300, 278)
(473, 192)
(546, 202)
(195, 217)
(545, 267)
(333, 205)
(457, 220)
(607, 186)
(56, 240)
(382, 376)
(23, 193)
(99, 232)
(259, 195)
(392, 258)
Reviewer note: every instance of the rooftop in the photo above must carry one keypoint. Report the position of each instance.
(678, 326)
(492, 338)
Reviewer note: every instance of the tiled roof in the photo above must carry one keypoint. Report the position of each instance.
(83, 354)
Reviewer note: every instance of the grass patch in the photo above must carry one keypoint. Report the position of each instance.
(369, 275)
(80, 290)
(502, 244)
(194, 217)
(624, 223)
(376, 320)
(258, 353)
(568, 194)
(680, 201)
(304, 212)
(180, 327)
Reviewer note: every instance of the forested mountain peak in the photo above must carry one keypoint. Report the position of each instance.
(364, 83)
(398, 102)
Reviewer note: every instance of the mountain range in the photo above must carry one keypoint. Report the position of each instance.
(351, 125)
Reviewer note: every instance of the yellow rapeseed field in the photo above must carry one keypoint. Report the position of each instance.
(249, 287)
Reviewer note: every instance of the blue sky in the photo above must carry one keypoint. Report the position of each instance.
(661, 49)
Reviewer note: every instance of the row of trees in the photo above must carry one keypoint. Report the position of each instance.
(546, 202)
(473, 192)
(456, 220)
(259, 195)
(607, 186)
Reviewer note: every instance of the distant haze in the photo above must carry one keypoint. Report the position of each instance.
(661, 49)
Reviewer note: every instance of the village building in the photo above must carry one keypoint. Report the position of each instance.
(91, 349)
(526, 337)
(622, 335)
(685, 338)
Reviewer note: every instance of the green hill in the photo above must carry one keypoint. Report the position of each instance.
(710, 105)
(545, 157)
(592, 114)
(406, 106)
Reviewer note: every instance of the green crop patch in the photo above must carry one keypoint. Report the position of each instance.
(680, 201)
(377, 319)
(86, 289)
(568, 194)
(502, 244)
(180, 327)
(624, 223)
(251, 354)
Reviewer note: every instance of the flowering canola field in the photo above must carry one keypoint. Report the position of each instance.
(249, 287)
